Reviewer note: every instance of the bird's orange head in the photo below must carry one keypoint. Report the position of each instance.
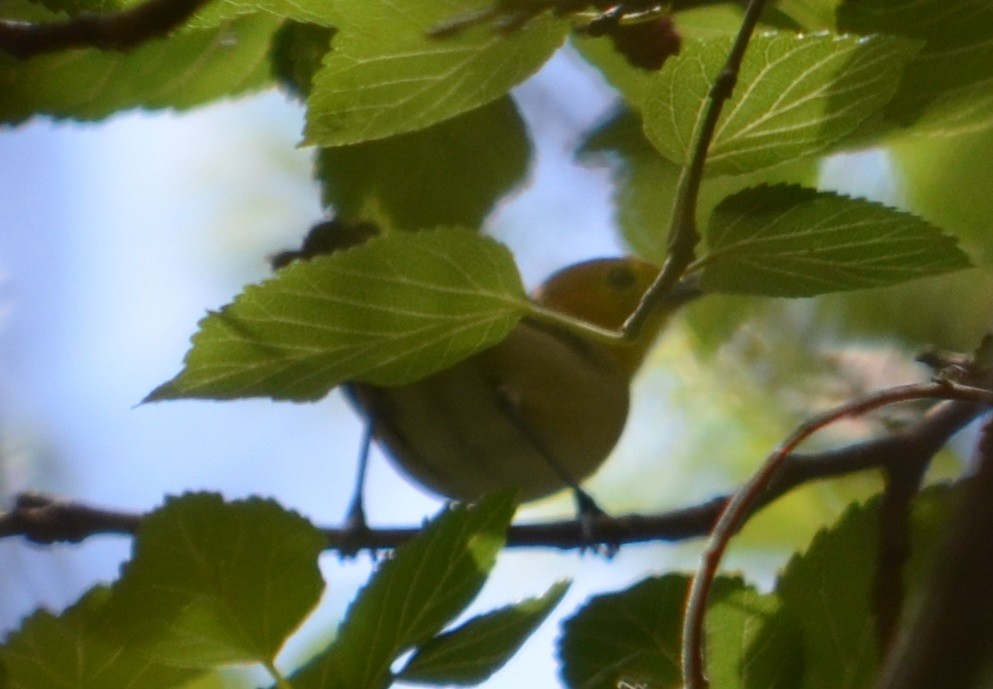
(604, 292)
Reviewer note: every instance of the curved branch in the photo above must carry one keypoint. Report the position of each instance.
(742, 503)
(947, 642)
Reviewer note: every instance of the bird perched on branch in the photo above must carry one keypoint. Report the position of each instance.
(539, 411)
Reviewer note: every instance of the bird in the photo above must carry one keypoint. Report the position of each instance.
(539, 412)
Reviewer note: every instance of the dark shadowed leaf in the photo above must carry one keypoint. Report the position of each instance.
(412, 596)
(191, 68)
(947, 87)
(645, 182)
(632, 638)
(473, 651)
(451, 173)
(827, 589)
(77, 650)
(213, 582)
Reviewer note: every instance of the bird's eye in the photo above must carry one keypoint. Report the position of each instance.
(620, 278)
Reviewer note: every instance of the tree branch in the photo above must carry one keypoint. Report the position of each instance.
(904, 475)
(122, 30)
(948, 641)
(45, 519)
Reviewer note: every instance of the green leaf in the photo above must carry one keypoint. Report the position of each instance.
(797, 95)
(645, 182)
(78, 650)
(827, 590)
(633, 637)
(790, 241)
(948, 86)
(187, 69)
(814, 15)
(320, 12)
(751, 642)
(464, 165)
(703, 23)
(412, 596)
(385, 76)
(213, 582)
(74, 7)
(390, 311)
(631, 82)
(475, 650)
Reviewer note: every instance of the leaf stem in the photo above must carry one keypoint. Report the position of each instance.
(740, 505)
(683, 235)
(578, 326)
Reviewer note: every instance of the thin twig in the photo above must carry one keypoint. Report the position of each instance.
(122, 30)
(683, 234)
(740, 506)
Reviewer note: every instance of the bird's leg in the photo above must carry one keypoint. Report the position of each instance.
(588, 512)
(355, 526)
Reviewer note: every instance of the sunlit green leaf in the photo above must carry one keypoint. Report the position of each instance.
(797, 95)
(412, 596)
(78, 650)
(451, 173)
(790, 241)
(213, 582)
(390, 311)
(948, 86)
(472, 652)
(188, 69)
(320, 12)
(386, 76)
